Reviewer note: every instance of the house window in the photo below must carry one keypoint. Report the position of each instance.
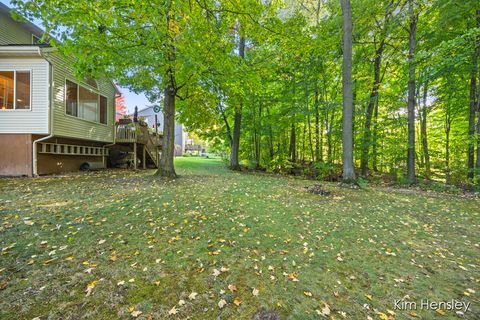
(14, 90)
(103, 110)
(84, 103)
(88, 105)
(71, 96)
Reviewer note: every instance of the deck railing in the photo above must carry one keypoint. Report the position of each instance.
(129, 133)
(125, 133)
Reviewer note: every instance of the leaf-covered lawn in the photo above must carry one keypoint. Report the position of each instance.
(220, 244)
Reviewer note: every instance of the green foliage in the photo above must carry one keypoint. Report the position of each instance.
(288, 86)
(362, 182)
(280, 165)
(324, 170)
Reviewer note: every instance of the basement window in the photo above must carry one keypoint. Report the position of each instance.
(15, 90)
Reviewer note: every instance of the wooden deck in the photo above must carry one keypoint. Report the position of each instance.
(140, 141)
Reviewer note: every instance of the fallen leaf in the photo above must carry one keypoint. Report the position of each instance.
(90, 287)
(255, 292)
(237, 301)
(232, 287)
(173, 311)
(440, 312)
(136, 313)
(192, 296)
(222, 303)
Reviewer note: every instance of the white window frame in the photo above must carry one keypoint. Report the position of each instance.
(15, 89)
(87, 87)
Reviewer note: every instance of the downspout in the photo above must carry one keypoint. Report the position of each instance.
(50, 105)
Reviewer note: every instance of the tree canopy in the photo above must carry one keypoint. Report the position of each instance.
(263, 79)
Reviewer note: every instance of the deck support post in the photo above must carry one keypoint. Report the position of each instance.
(144, 162)
(135, 155)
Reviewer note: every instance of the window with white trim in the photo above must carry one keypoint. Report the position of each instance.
(15, 90)
(85, 103)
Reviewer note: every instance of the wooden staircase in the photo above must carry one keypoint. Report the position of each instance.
(138, 140)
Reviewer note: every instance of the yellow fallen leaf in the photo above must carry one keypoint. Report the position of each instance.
(237, 301)
(369, 297)
(440, 312)
(382, 316)
(255, 292)
(307, 293)
(232, 287)
(90, 287)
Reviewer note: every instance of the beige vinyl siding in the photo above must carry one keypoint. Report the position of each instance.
(12, 32)
(34, 120)
(72, 127)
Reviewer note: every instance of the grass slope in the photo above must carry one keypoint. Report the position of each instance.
(112, 244)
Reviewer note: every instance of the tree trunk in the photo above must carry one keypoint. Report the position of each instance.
(471, 121)
(411, 94)
(447, 149)
(167, 168)
(370, 108)
(423, 132)
(474, 103)
(234, 163)
(347, 126)
(375, 138)
(293, 143)
(478, 108)
(270, 135)
(318, 154)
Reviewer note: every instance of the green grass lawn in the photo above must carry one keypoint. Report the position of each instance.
(112, 244)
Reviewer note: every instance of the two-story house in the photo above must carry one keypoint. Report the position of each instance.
(50, 121)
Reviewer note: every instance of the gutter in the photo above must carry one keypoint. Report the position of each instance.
(21, 50)
(34, 145)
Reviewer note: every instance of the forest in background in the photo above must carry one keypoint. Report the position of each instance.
(262, 80)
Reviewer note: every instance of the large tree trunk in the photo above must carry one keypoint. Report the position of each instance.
(411, 94)
(347, 126)
(423, 132)
(234, 163)
(167, 168)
